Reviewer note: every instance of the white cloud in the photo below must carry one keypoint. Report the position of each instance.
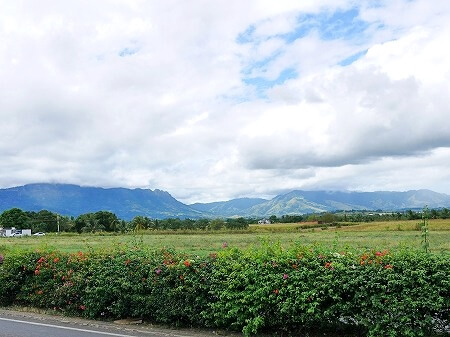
(139, 94)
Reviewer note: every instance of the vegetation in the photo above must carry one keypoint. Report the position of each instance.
(104, 221)
(305, 288)
(376, 278)
(372, 235)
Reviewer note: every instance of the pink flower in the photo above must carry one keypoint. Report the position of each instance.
(285, 276)
(158, 271)
(224, 245)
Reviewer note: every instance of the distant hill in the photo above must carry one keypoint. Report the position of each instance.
(127, 203)
(228, 208)
(75, 200)
(301, 202)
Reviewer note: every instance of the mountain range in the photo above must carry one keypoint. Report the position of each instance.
(74, 200)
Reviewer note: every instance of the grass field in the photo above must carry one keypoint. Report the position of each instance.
(375, 235)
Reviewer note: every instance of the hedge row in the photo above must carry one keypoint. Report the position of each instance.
(265, 289)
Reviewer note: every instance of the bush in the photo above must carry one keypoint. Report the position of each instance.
(406, 293)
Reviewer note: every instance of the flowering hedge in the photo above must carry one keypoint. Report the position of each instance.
(265, 289)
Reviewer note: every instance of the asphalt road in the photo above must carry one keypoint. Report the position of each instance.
(23, 324)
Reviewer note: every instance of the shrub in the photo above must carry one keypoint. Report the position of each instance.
(405, 293)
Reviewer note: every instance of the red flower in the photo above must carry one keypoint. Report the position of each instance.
(82, 307)
(42, 259)
(328, 265)
(36, 272)
(276, 291)
(40, 292)
(388, 266)
(187, 263)
(56, 260)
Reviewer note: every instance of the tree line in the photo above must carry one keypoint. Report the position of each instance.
(105, 221)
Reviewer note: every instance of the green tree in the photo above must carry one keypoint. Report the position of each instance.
(328, 218)
(107, 220)
(140, 222)
(273, 219)
(44, 221)
(217, 224)
(14, 217)
(202, 223)
(88, 223)
(434, 214)
(237, 223)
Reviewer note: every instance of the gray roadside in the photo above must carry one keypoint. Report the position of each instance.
(23, 317)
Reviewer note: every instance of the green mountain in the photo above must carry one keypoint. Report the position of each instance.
(301, 202)
(128, 203)
(228, 208)
(75, 200)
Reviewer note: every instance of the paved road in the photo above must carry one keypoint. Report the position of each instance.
(21, 324)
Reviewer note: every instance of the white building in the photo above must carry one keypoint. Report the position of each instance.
(8, 232)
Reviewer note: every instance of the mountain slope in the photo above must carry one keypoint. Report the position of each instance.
(300, 202)
(228, 208)
(128, 203)
(75, 200)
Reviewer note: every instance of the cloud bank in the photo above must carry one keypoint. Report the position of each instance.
(214, 101)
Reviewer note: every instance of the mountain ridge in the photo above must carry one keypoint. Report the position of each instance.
(73, 200)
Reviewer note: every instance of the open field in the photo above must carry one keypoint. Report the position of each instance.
(400, 225)
(375, 235)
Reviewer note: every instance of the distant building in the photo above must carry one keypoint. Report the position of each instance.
(8, 232)
(264, 222)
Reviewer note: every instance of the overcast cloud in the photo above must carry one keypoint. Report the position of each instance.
(223, 99)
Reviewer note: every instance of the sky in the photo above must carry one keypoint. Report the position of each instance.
(213, 100)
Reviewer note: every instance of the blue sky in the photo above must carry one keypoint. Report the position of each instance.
(329, 25)
(231, 99)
